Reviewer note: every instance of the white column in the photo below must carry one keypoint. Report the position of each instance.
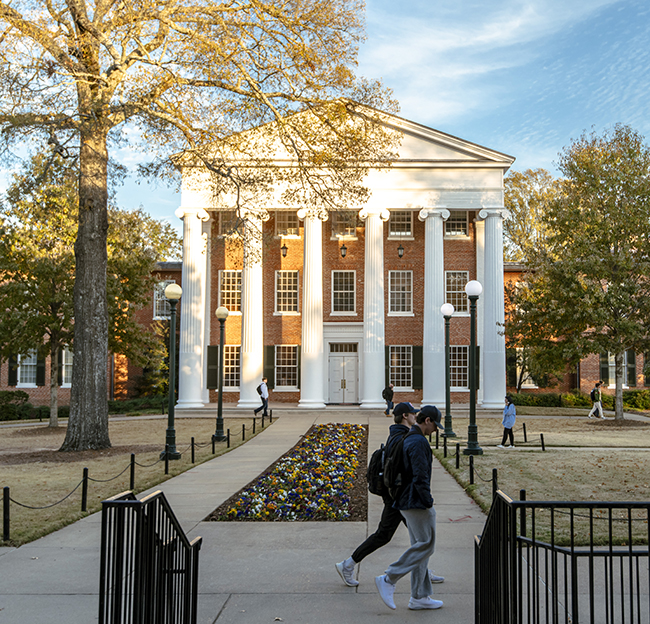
(494, 343)
(207, 289)
(373, 363)
(433, 338)
(252, 316)
(190, 367)
(312, 364)
(479, 226)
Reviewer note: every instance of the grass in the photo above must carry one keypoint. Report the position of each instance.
(38, 475)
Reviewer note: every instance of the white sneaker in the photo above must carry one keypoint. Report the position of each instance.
(347, 574)
(386, 591)
(434, 578)
(511, 446)
(424, 603)
(500, 446)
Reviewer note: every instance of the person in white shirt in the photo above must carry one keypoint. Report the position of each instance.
(263, 390)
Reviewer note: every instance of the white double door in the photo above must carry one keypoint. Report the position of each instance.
(343, 373)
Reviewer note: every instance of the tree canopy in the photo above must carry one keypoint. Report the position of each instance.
(38, 223)
(170, 76)
(588, 290)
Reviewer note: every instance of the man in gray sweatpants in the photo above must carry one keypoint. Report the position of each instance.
(415, 503)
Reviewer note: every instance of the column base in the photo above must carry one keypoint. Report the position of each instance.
(189, 404)
(249, 404)
(310, 404)
(373, 405)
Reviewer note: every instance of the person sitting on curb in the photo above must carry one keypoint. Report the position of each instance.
(391, 518)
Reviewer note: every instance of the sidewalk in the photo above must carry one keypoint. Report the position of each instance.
(256, 572)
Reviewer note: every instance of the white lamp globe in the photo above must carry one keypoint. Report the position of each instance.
(447, 309)
(173, 292)
(222, 313)
(473, 288)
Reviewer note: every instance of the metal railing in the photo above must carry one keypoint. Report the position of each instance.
(148, 567)
(552, 562)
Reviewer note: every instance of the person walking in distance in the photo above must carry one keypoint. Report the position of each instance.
(391, 518)
(596, 398)
(415, 503)
(509, 416)
(387, 394)
(263, 391)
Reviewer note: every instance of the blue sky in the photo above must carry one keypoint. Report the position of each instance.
(519, 76)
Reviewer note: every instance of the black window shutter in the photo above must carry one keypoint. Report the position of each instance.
(269, 365)
(13, 370)
(213, 367)
(417, 367)
(386, 366)
(299, 349)
(604, 368)
(511, 368)
(59, 375)
(646, 368)
(631, 368)
(40, 371)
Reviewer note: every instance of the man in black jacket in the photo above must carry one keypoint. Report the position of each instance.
(415, 503)
(387, 394)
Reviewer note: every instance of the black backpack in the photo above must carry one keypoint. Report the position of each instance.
(259, 389)
(395, 476)
(593, 394)
(375, 472)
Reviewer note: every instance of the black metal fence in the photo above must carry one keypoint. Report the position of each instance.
(563, 562)
(149, 569)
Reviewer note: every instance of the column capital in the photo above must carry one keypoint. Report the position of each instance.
(496, 211)
(316, 213)
(440, 211)
(382, 213)
(199, 213)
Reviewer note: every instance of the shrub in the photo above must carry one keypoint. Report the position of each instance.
(637, 399)
(14, 405)
(575, 399)
(136, 405)
(547, 399)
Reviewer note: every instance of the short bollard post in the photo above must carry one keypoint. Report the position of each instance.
(522, 517)
(227, 438)
(262, 421)
(166, 458)
(192, 450)
(84, 491)
(525, 435)
(5, 513)
(270, 416)
(444, 446)
(437, 439)
(213, 450)
(457, 455)
(243, 432)
(541, 437)
(254, 419)
(495, 484)
(132, 475)
(471, 469)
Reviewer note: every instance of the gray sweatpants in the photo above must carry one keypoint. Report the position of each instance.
(421, 524)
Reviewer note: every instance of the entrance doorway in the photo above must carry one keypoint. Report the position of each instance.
(344, 372)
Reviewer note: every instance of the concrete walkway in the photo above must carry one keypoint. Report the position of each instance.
(256, 573)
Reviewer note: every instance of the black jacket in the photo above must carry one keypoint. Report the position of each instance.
(387, 394)
(417, 464)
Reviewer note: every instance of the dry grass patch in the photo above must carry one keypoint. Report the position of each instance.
(38, 475)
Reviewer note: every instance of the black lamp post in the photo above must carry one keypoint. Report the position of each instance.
(473, 290)
(447, 310)
(173, 294)
(222, 315)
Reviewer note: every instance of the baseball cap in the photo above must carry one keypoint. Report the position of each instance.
(432, 412)
(404, 408)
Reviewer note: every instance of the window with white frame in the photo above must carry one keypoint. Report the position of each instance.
(231, 366)
(457, 225)
(228, 222)
(400, 223)
(455, 289)
(286, 366)
(629, 369)
(344, 224)
(401, 366)
(66, 367)
(286, 291)
(286, 224)
(400, 293)
(343, 292)
(27, 365)
(230, 290)
(161, 307)
(459, 366)
(527, 381)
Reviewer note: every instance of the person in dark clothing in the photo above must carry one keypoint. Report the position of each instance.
(391, 518)
(387, 395)
(416, 505)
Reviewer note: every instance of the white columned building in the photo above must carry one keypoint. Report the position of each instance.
(252, 321)
(373, 361)
(433, 331)
(191, 358)
(312, 393)
(494, 342)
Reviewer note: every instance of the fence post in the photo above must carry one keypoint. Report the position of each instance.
(5, 513)
(457, 455)
(254, 419)
(495, 484)
(522, 515)
(166, 458)
(471, 469)
(444, 445)
(84, 491)
(243, 432)
(525, 435)
(213, 451)
(437, 439)
(541, 437)
(192, 449)
(132, 476)
(262, 421)
(270, 416)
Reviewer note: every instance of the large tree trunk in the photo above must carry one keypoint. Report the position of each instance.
(54, 390)
(88, 423)
(618, 399)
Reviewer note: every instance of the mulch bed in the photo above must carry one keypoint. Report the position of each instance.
(14, 458)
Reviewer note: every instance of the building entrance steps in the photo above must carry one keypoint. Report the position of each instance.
(256, 572)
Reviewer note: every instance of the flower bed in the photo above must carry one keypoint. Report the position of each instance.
(311, 482)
